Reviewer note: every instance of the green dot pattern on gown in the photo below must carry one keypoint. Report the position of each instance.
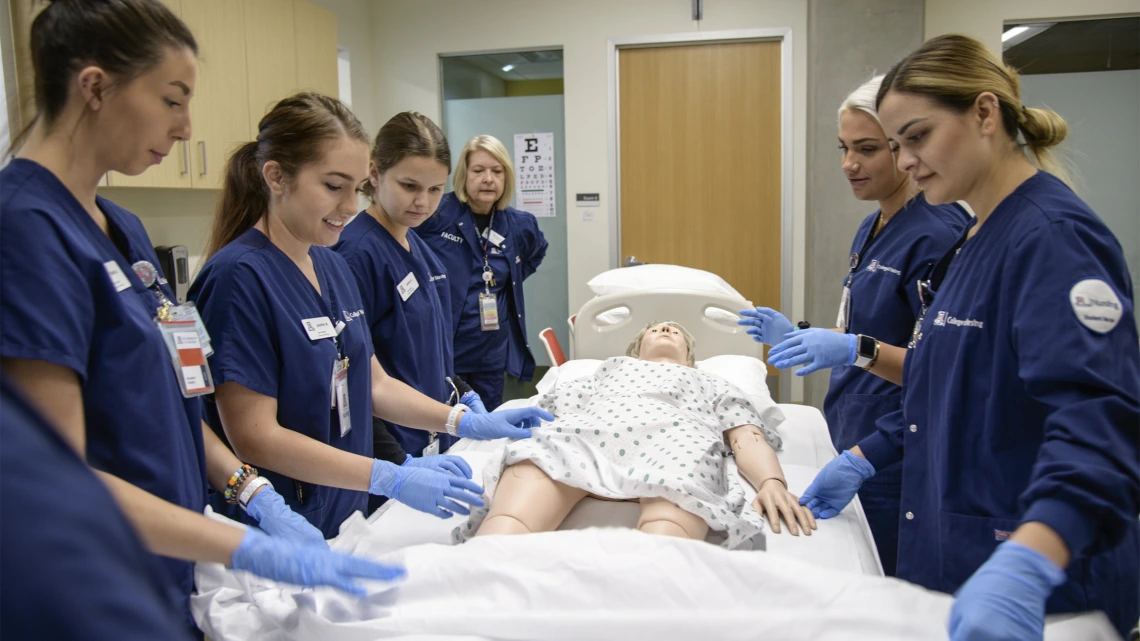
(633, 401)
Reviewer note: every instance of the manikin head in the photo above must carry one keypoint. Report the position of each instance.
(664, 342)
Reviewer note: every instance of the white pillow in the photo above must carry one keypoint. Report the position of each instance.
(642, 277)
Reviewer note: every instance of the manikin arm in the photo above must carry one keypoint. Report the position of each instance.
(757, 462)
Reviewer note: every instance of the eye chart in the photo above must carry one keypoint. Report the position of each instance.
(534, 164)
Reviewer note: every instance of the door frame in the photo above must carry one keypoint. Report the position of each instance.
(789, 262)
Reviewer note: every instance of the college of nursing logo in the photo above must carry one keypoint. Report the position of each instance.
(875, 266)
(348, 316)
(452, 237)
(940, 320)
(1096, 305)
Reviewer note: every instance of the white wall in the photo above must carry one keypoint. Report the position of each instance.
(1103, 144)
(354, 20)
(984, 19)
(409, 36)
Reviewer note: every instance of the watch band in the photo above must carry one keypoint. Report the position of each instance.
(866, 351)
(250, 488)
(452, 425)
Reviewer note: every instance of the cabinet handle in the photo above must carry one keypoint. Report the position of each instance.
(202, 148)
(185, 159)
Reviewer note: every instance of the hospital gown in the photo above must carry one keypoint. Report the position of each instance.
(639, 429)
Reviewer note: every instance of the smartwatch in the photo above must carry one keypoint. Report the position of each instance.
(866, 351)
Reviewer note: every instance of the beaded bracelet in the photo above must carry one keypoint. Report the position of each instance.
(239, 477)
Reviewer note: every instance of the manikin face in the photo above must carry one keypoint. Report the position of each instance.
(316, 204)
(948, 154)
(410, 191)
(867, 159)
(664, 341)
(485, 178)
(137, 124)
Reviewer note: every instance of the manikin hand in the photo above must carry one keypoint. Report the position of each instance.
(774, 501)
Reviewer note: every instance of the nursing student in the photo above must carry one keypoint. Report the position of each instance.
(488, 250)
(403, 285)
(878, 304)
(1020, 438)
(87, 329)
(297, 379)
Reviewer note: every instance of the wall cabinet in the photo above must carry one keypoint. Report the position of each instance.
(252, 53)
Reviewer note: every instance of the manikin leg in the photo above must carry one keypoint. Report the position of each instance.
(659, 516)
(528, 500)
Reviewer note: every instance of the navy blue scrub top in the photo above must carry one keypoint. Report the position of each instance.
(61, 306)
(884, 304)
(412, 336)
(72, 568)
(453, 236)
(253, 299)
(1022, 403)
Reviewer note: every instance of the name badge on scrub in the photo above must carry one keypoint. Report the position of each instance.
(340, 395)
(319, 328)
(495, 237)
(432, 447)
(188, 356)
(844, 317)
(408, 286)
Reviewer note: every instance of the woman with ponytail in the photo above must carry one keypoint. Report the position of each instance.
(298, 382)
(1020, 429)
(84, 333)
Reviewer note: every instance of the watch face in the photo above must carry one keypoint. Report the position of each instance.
(866, 346)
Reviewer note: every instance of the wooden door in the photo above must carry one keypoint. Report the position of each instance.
(174, 170)
(220, 109)
(317, 68)
(271, 55)
(700, 161)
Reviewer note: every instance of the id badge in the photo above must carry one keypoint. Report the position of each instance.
(844, 310)
(340, 392)
(433, 446)
(188, 357)
(488, 312)
(187, 311)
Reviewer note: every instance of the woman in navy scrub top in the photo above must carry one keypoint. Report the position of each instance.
(402, 284)
(477, 236)
(297, 379)
(1020, 430)
(892, 249)
(78, 332)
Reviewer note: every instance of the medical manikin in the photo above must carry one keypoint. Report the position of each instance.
(647, 427)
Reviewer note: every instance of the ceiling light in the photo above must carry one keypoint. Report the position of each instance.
(508, 67)
(1013, 32)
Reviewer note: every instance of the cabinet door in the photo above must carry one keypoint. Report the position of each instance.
(316, 49)
(220, 108)
(271, 54)
(174, 170)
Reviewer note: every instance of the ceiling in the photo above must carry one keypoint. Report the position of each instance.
(528, 65)
(1110, 44)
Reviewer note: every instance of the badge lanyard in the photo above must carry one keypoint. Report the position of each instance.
(488, 303)
(844, 318)
(928, 287)
(339, 388)
(184, 334)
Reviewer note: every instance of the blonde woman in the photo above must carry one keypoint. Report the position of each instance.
(488, 250)
(1019, 444)
(878, 305)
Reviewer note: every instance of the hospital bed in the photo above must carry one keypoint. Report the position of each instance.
(597, 577)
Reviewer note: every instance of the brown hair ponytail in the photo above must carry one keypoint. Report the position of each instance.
(293, 134)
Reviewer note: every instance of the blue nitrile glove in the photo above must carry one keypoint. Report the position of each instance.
(441, 463)
(766, 325)
(515, 423)
(472, 400)
(307, 565)
(1005, 598)
(278, 520)
(423, 489)
(836, 484)
(815, 347)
